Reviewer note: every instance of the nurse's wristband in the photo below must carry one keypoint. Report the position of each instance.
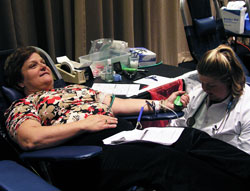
(157, 106)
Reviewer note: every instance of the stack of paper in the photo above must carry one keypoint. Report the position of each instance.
(117, 89)
(161, 135)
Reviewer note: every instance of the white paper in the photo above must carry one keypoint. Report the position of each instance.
(117, 89)
(236, 5)
(161, 135)
(121, 89)
(62, 59)
(153, 79)
(153, 83)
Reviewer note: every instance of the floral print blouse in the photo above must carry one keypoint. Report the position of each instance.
(57, 106)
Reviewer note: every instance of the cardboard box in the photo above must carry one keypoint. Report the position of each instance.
(234, 19)
(146, 57)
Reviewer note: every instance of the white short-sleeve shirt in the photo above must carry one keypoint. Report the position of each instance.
(232, 127)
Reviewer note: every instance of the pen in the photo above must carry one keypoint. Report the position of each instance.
(143, 135)
(121, 140)
(153, 77)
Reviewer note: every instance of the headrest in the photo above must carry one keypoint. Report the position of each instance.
(11, 94)
(205, 26)
(59, 83)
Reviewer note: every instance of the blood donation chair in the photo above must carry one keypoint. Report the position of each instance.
(204, 30)
(44, 157)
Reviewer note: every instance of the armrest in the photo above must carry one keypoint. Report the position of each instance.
(15, 177)
(62, 153)
(159, 116)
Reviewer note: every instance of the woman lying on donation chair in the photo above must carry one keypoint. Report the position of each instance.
(79, 115)
(52, 117)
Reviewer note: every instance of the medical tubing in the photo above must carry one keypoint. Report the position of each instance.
(159, 63)
(164, 106)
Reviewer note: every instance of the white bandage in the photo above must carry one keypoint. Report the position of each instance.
(157, 106)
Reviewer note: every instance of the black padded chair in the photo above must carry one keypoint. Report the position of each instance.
(56, 154)
(44, 157)
(203, 30)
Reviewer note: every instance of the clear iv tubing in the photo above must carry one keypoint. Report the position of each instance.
(159, 63)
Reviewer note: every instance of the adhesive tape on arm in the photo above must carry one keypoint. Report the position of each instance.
(68, 67)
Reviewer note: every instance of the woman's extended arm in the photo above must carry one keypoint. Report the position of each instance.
(133, 106)
(31, 135)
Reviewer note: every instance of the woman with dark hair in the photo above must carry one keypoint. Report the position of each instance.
(78, 115)
(220, 106)
(15, 63)
(71, 114)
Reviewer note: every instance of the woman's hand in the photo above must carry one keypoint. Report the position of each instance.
(99, 122)
(170, 101)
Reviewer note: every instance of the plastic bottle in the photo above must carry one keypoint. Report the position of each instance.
(109, 71)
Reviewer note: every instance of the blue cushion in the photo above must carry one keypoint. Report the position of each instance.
(11, 94)
(59, 83)
(63, 153)
(205, 26)
(15, 177)
(159, 116)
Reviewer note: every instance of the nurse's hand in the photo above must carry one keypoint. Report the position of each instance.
(170, 101)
